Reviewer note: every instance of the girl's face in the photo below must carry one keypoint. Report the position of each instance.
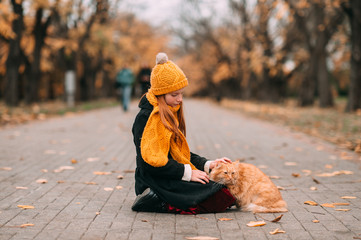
(175, 98)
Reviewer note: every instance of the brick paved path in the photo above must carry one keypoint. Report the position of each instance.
(78, 204)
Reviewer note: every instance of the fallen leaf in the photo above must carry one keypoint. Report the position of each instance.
(21, 188)
(256, 223)
(143, 220)
(290, 163)
(50, 152)
(313, 188)
(119, 187)
(340, 204)
(348, 197)
(202, 238)
(335, 173)
(26, 206)
(74, 161)
(6, 168)
(102, 173)
(315, 221)
(276, 231)
(90, 183)
(62, 168)
(102, 148)
(280, 188)
(92, 159)
(277, 218)
(42, 181)
(316, 181)
(296, 175)
(44, 170)
(274, 177)
(97, 213)
(225, 219)
(330, 205)
(60, 181)
(343, 210)
(108, 189)
(329, 166)
(120, 177)
(204, 218)
(129, 171)
(27, 225)
(307, 172)
(312, 203)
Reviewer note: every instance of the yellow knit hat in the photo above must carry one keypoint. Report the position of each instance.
(166, 76)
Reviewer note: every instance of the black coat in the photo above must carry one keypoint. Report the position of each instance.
(167, 181)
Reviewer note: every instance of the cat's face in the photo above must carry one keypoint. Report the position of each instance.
(224, 173)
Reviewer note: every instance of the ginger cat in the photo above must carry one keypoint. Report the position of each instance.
(254, 191)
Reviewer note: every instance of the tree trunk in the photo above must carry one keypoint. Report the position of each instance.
(324, 89)
(13, 61)
(354, 95)
(308, 84)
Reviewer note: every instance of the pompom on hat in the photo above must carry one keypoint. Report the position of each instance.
(166, 76)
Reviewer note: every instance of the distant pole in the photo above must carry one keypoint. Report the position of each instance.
(70, 87)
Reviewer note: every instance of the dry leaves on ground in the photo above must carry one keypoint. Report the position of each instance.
(276, 231)
(315, 221)
(348, 197)
(62, 168)
(202, 238)
(102, 173)
(277, 219)
(335, 173)
(312, 203)
(225, 219)
(26, 206)
(6, 168)
(256, 223)
(27, 225)
(42, 181)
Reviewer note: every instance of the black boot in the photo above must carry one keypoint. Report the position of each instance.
(148, 201)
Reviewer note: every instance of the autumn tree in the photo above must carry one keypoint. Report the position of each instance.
(353, 10)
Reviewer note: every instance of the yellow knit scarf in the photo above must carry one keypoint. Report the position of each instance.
(158, 141)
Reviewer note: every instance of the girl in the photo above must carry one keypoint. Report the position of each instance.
(168, 177)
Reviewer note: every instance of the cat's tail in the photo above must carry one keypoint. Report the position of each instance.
(278, 207)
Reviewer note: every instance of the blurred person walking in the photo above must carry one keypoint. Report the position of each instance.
(124, 82)
(144, 77)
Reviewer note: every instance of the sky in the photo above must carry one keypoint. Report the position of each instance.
(167, 12)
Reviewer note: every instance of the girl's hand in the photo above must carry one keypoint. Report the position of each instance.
(219, 160)
(199, 176)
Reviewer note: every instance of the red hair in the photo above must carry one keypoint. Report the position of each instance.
(169, 119)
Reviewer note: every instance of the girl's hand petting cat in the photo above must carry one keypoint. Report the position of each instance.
(199, 176)
(219, 160)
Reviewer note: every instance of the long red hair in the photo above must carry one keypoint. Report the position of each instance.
(168, 118)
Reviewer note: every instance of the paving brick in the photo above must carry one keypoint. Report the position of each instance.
(67, 208)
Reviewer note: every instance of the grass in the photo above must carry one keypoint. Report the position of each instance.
(331, 124)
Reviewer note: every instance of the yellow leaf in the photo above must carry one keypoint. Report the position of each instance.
(274, 177)
(340, 204)
(26, 225)
(62, 168)
(120, 177)
(296, 175)
(74, 161)
(348, 197)
(102, 173)
(108, 189)
(313, 188)
(277, 218)
(276, 231)
(290, 163)
(256, 223)
(330, 205)
(6, 168)
(90, 183)
(343, 210)
(315, 221)
(92, 159)
(119, 187)
(26, 206)
(21, 188)
(225, 219)
(312, 203)
(42, 181)
(202, 238)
